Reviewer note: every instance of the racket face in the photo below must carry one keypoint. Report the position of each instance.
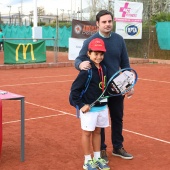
(122, 82)
(119, 84)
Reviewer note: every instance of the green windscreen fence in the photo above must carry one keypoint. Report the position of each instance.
(48, 32)
(163, 35)
(19, 53)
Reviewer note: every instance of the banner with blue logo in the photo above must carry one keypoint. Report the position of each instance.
(129, 30)
(128, 17)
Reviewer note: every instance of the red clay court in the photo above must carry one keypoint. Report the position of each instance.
(53, 134)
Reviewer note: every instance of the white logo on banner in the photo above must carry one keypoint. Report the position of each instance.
(77, 29)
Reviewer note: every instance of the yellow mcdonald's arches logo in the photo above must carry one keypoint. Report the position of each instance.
(25, 47)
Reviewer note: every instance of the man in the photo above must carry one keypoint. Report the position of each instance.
(1, 40)
(116, 57)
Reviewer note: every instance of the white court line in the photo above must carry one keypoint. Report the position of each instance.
(63, 113)
(154, 80)
(47, 76)
(136, 133)
(66, 113)
(34, 118)
(27, 84)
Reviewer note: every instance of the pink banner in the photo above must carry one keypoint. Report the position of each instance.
(130, 10)
(127, 20)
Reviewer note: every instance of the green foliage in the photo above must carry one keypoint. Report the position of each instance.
(41, 23)
(66, 24)
(160, 17)
(51, 24)
(61, 24)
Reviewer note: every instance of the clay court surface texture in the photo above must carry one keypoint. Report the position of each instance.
(53, 134)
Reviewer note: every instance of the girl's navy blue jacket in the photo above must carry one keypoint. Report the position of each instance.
(94, 89)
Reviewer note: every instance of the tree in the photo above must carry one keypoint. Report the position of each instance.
(95, 6)
(40, 11)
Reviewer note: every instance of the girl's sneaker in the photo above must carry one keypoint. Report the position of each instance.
(90, 165)
(101, 164)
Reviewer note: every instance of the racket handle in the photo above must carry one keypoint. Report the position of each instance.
(92, 104)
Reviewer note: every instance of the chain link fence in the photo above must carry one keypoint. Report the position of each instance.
(147, 47)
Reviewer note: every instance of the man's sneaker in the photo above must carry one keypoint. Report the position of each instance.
(122, 153)
(90, 165)
(101, 164)
(103, 155)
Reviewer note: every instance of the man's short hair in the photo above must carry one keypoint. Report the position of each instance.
(103, 12)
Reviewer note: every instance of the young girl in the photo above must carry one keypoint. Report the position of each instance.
(95, 118)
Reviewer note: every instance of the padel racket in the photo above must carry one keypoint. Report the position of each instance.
(119, 84)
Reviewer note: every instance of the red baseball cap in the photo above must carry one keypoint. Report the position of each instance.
(97, 44)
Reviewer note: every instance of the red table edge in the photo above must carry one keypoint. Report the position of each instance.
(0, 126)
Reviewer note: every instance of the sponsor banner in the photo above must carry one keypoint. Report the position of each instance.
(129, 30)
(128, 11)
(75, 46)
(34, 52)
(83, 29)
